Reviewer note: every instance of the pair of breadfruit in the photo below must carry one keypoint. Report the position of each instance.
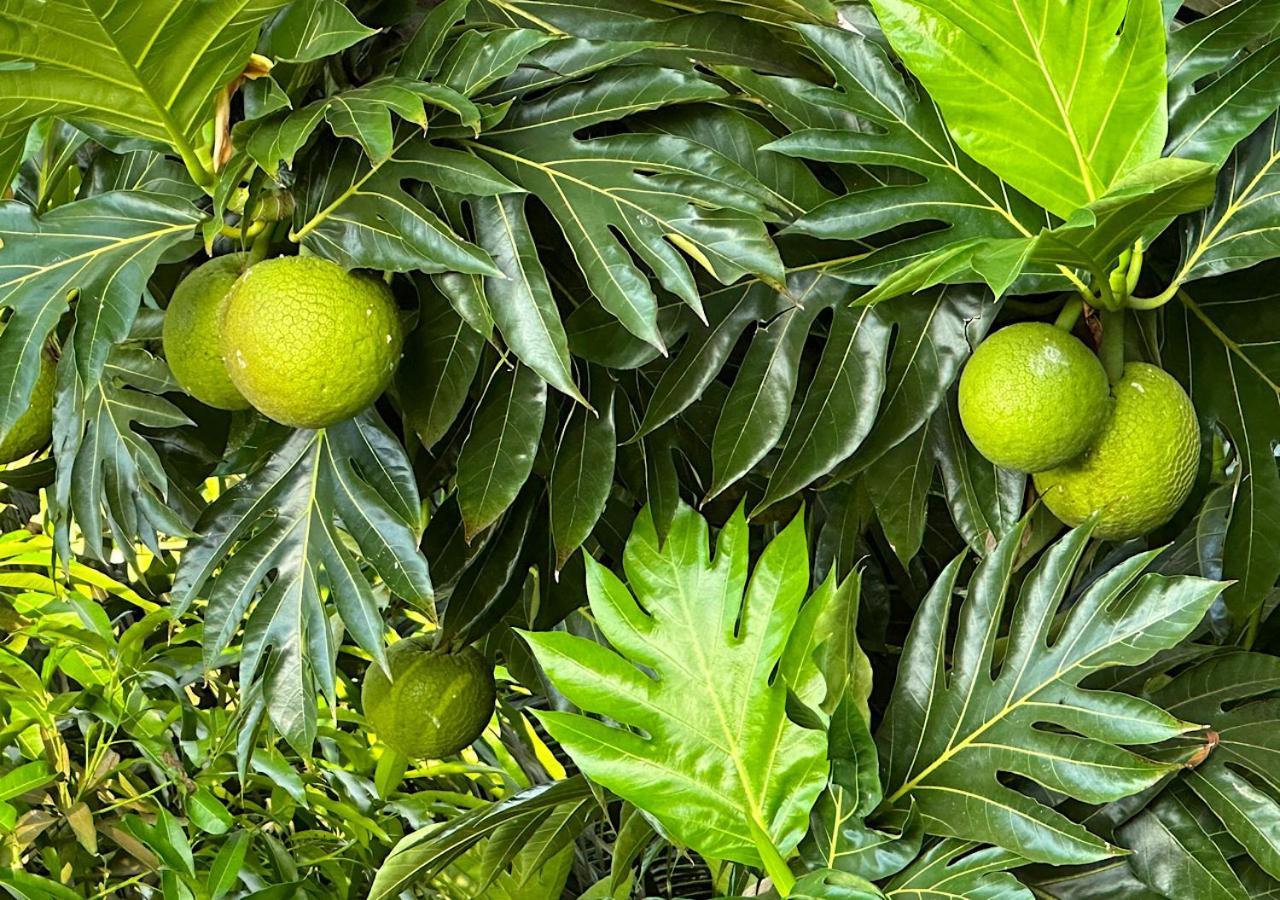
(1035, 399)
(309, 344)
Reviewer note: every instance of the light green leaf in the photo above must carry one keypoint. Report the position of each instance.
(715, 729)
(207, 812)
(146, 69)
(950, 731)
(1058, 99)
(314, 29)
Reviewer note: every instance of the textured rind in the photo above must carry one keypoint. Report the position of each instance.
(1142, 466)
(435, 703)
(192, 332)
(34, 427)
(1032, 397)
(308, 343)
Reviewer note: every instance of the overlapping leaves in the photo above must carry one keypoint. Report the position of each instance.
(951, 732)
(147, 69)
(291, 524)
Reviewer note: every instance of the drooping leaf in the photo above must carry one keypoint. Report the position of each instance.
(104, 248)
(441, 357)
(985, 499)
(898, 483)
(497, 455)
(754, 415)
(1059, 100)
(523, 307)
(715, 727)
(298, 515)
(951, 731)
(887, 122)
(1219, 345)
(110, 479)
(582, 472)
(654, 195)
(839, 403)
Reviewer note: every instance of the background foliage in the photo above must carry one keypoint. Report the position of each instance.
(702, 273)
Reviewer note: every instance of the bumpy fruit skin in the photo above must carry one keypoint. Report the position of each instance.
(1141, 468)
(1032, 397)
(435, 703)
(308, 343)
(34, 427)
(192, 332)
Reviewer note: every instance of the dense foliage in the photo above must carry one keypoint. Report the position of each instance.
(687, 286)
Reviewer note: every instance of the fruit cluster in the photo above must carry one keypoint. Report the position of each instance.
(1035, 399)
(300, 339)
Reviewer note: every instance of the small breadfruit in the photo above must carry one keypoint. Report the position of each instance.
(1032, 397)
(307, 342)
(1142, 466)
(192, 332)
(34, 427)
(434, 704)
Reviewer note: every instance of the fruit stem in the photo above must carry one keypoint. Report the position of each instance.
(261, 246)
(1112, 349)
(1069, 314)
(1158, 300)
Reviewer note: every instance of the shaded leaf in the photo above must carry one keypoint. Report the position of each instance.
(948, 733)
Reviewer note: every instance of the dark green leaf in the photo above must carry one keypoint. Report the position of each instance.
(582, 472)
(497, 455)
(949, 731)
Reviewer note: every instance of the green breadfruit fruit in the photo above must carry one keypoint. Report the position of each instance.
(308, 343)
(192, 332)
(34, 427)
(434, 704)
(1142, 466)
(1032, 397)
